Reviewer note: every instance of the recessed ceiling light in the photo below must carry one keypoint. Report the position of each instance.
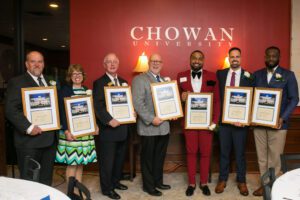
(44, 39)
(63, 46)
(53, 5)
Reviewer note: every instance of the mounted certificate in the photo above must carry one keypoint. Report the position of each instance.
(40, 107)
(166, 100)
(237, 105)
(119, 104)
(80, 115)
(266, 106)
(198, 111)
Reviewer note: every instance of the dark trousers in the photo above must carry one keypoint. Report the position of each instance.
(153, 153)
(231, 136)
(45, 156)
(111, 161)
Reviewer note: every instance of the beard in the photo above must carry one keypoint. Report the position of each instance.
(196, 68)
(271, 66)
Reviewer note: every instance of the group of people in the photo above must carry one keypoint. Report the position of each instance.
(154, 132)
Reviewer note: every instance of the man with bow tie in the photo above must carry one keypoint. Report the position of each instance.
(198, 80)
(113, 137)
(29, 139)
(233, 136)
(270, 142)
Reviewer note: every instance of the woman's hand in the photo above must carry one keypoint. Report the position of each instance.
(69, 136)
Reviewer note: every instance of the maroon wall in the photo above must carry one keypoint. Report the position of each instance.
(100, 27)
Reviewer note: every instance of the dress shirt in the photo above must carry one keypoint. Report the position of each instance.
(197, 82)
(270, 74)
(238, 73)
(113, 79)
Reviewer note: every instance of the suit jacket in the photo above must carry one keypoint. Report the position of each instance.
(222, 76)
(290, 96)
(143, 105)
(107, 133)
(14, 113)
(209, 84)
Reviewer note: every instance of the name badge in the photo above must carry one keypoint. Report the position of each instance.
(183, 79)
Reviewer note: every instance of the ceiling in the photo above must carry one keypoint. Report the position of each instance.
(39, 21)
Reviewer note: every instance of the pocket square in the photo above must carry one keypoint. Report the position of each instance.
(211, 83)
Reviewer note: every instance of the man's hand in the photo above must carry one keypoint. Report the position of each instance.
(114, 123)
(69, 136)
(184, 96)
(280, 123)
(36, 130)
(238, 124)
(157, 121)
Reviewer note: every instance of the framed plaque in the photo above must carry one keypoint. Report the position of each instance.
(40, 107)
(237, 105)
(198, 110)
(80, 115)
(119, 104)
(166, 100)
(266, 106)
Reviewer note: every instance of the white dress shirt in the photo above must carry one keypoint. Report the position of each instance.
(112, 79)
(197, 82)
(270, 74)
(238, 73)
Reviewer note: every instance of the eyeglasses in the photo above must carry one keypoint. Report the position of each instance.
(111, 62)
(156, 61)
(77, 74)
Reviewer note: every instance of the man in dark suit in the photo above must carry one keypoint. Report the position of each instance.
(234, 135)
(270, 142)
(29, 139)
(113, 136)
(198, 80)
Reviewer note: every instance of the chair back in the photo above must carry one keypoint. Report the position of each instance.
(84, 193)
(267, 181)
(32, 169)
(289, 162)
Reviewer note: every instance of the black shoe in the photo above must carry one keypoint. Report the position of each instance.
(120, 186)
(190, 191)
(205, 190)
(163, 187)
(154, 192)
(112, 194)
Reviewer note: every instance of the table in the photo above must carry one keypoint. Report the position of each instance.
(12, 189)
(287, 186)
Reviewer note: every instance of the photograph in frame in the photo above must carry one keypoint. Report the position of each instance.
(41, 108)
(166, 100)
(80, 115)
(266, 106)
(119, 103)
(237, 105)
(198, 111)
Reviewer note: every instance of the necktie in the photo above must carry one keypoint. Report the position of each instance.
(116, 81)
(198, 74)
(232, 80)
(157, 78)
(41, 84)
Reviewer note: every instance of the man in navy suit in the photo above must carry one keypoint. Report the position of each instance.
(113, 137)
(234, 135)
(270, 142)
(29, 139)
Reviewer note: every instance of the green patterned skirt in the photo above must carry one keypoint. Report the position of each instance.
(78, 152)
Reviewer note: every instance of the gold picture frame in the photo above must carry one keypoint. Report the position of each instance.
(198, 111)
(166, 100)
(80, 115)
(266, 107)
(119, 103)
(40, 107)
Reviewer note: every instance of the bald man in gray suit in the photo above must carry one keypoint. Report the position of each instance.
(154, 132)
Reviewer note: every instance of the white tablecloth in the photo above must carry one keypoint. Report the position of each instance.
(287, 186)
(18, 189)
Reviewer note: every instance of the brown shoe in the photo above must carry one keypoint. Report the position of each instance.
(243, 189)
(220, 187)
(259, 192)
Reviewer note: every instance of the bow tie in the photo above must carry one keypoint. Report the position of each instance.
(198, 74)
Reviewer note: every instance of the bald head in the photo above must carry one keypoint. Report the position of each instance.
(111, 64)
(35, 63)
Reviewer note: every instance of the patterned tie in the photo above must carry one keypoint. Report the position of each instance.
(157, 78)
(41, 84)
(232, 81)
(116, 81)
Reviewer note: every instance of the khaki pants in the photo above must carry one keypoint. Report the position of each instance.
(269, 145)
